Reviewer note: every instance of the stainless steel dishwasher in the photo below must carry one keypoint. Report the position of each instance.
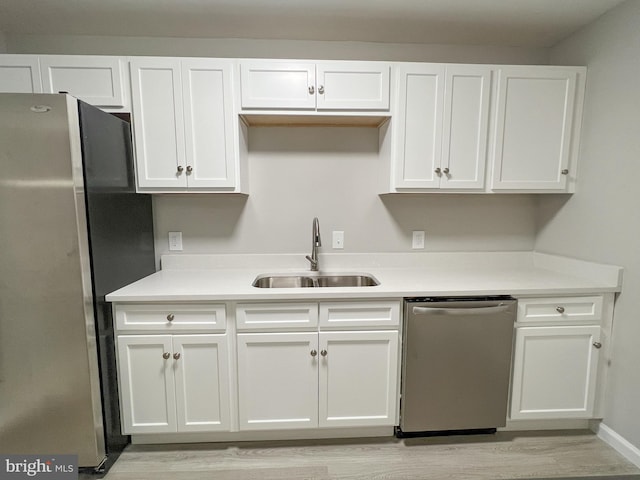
(456, 363)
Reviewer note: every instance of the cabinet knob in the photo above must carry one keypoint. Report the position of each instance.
(170, 317)
(180, 169)
(597, 344)
(312, 90)
(438, 171)
(323, 353)
(176, 356)
(166, 355)
(560, 309)
(321, 89)
(314, 353)
(565, 171)
(446, 171)
(189, 169)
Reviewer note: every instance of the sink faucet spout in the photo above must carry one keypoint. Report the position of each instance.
(315, 243)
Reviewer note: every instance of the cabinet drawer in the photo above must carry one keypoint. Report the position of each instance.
(349, 315)
(281, 316)
(560, 309)
(171, 317)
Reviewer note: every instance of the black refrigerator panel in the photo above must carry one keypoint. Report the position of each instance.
(121, 243)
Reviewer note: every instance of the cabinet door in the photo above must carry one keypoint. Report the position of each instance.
(554, 372)
(466, 119)
(278, 85)
(98, 80)
(202, 382)
(208, 122)
(278, 380)
(158, 123)
(20, 74)
(358, 378)
(146, 384)
(418, 126)
(534, 122)
(352, 86)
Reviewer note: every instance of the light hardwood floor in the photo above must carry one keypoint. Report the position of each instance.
(506, 455)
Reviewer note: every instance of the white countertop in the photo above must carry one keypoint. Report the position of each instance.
(229, 277)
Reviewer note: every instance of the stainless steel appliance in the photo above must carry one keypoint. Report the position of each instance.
(456, 363)
(72, 229)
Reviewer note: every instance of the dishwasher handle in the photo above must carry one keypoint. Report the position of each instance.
(503, 307)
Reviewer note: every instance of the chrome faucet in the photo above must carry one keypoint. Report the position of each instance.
(315, 243)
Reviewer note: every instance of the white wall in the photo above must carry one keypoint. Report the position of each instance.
(3, 43)
(601, 222)
(202, 47)
(296, 173)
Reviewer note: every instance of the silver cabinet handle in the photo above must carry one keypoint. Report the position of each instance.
(323, 353)
(180, 169)
(321, 89)
(314, 353)
(312, 90)
(446, 171)
(565, 171)
(597, 344)
(166, 355)
(560, 309)
(170, 317)
(459, 311)
(438, 171)
(176, 356)
(189, 169)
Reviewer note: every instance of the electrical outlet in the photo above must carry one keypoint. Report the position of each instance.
(338, 239)
(175, 241)
(418, 240)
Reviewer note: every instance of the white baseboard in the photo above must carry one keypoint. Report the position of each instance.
(619, 443)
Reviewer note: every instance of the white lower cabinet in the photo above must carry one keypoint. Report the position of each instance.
(309, 379)
(173, 383)
(555, 371)
(277, 380)
(357, 378)
(326, 379)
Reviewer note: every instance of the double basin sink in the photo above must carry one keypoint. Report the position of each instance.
(311, 280)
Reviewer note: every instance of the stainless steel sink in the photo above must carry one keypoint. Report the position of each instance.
(312, 280)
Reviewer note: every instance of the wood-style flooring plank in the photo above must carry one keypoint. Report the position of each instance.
(505, 455)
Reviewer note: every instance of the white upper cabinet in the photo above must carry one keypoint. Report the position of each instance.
(186, 137)
(537, 128)
(440, 127)
(20, 74)
(97, 80)
(267, 84)
(329, 86)
(101, 81)
(156, 89)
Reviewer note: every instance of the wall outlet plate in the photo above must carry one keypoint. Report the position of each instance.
(417, 243)
(175, 241)
(338, 239)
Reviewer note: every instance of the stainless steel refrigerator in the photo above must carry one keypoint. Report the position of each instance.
(72, 229)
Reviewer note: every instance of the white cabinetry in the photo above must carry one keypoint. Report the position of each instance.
(101, 81)
(537, 126)
(440, 127)
(172, 382)
(98, 80)
(186, 136)
(20, 74)
(557, 350)
(319, 379)
(286, 85)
